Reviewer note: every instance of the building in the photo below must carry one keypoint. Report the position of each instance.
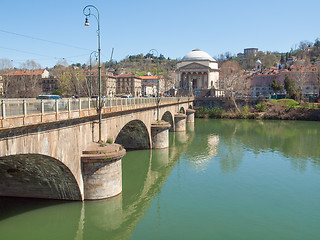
(250, 52)
(29, 83)
(305, 77)
(109, 85)
(149, 89)
(240, 55)
(128, 84)
(197, 71)
(154, 80)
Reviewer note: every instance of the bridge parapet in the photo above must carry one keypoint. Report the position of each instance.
(21, 112)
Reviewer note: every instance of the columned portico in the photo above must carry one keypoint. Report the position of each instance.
(198, 71)
(198, 80)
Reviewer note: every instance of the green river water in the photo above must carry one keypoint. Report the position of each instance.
(224, 179)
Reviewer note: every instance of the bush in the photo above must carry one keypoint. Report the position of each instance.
(261, 107)
(245, 109)
(289, 103)
(216, 112)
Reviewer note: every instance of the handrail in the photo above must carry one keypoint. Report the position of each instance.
(26, 106)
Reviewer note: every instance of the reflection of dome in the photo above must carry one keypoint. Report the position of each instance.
(200, 162)
(213, 142)
(196, 55)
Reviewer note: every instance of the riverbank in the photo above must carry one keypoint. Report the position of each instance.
(284, 109)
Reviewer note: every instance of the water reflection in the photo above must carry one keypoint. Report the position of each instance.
(145, 173)
(297, 141)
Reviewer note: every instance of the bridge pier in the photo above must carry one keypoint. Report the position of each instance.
(101, 170)
(180, 122)
(190, 115)
(160, 134)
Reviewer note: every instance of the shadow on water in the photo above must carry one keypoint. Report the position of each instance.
(22, 218)
(11, 206)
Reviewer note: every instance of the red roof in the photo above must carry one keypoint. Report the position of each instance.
(25, 72)
(149, 77)
(128, 75)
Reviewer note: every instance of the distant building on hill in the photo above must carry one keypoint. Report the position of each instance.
(250, 52)
(306, 77)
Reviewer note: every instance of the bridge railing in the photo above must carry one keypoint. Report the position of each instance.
(24, 107)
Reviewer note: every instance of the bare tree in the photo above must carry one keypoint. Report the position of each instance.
(301, 75)
(5, 67)
(232, 80)
(72, 82)
(30, 65)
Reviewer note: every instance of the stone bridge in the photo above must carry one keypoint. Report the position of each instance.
(41, 150)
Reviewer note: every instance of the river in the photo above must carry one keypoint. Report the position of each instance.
(222, 179)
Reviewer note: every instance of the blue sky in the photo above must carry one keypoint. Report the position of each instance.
(172, 27)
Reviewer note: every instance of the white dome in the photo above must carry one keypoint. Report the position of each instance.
(196, 55)
(258, 61)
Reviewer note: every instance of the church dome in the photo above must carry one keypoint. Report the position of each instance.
(196, 55)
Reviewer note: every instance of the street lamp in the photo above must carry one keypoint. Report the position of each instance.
(87, 13)
(155, 53)
(96, 55)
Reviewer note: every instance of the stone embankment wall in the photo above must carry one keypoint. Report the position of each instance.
(225, 103)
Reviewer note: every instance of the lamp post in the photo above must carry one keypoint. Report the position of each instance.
(155, 53)
(96, 54)
(87, 13)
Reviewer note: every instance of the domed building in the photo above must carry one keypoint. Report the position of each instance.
(196, 72)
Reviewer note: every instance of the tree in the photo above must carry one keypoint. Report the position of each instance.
(5, 64)
(72, 82)
(30, 65)
(5, 67)
(289, 87)
(276, 87)
(282, 61)
(301, 76)
(232, 80)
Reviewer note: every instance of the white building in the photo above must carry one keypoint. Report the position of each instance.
(197, 71)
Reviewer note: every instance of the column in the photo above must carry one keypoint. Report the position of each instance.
(160, 134)
(202, 81)
(197, 87)
(180, 122)
(190, 115)
(101, 170)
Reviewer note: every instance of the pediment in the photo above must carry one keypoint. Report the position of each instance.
(194, 66)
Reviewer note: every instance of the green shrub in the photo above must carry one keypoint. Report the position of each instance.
(216, 112)
(261, 107)
(289, 103)
(245, 109)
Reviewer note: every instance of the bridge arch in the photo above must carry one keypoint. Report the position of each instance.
(182, 110)
(134, 135)
(37, 176)
(167, 116)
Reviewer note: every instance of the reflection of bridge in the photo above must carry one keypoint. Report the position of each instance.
(113, 218)
(41, 147)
